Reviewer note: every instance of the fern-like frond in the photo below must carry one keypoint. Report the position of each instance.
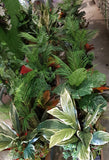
(64, 69)
(77, 59)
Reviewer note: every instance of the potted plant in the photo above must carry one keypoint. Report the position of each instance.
(54, 55)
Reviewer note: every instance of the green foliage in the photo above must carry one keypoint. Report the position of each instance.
(11, 36)
(70, 150)
(81, 135)
(54, 45)
(89, 103)
(29, 152)
(77, 59)
(15, 119)
(75, 79)
(94, 79)
(100, 138)
(4, 142)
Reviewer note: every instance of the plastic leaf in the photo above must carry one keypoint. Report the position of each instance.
(100, 138)
(61, 136)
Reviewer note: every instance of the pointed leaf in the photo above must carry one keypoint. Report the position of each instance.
(4, 142)
(29, 152)
(93, 118)
(73, 139)
(91, 156)
(63, 116)
(100, 138)
(28, 37)
(33, 134)
(53, 124)
(98, 79)
(84, 152)
(15, 119)
(61, 136)
(7, 131)
(67, 104)
(47, 133)
(85, 138)
(89, 103)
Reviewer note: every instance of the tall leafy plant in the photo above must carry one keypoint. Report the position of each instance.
(69, 129)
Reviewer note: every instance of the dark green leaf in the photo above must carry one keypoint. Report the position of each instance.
(89, 103)
(29, 152)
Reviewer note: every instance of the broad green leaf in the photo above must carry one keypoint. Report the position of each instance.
(85, 137)
(77, 77)
(52, 124)
(94, 79)
(84, 89)
(7, 131)
(68, 106)
(100, 138)
(29, 152)
(61, 136)
(92, 118)
(84, 152)
(4, 142)
(28, 37)
(47, 133)
(98, 79)
(73, 139)
(89, 103)
(15, 119)
(63, 116)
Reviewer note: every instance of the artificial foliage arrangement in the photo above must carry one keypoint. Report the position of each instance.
(46, 67)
